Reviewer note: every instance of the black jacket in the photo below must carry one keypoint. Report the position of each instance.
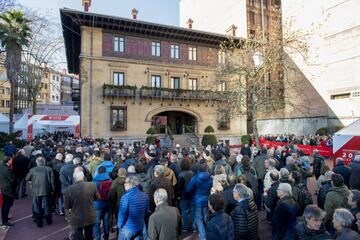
(272, 198)
(8, 181)
(21, 166)
(230, 202)
(180, 187)
(318, 162)
(344, 171)
(284, 219)
(246, 220)
(304, 233)
(354, 177)
(220, 227)
(42, 180)
(325, 188)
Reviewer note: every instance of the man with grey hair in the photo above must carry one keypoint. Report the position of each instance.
(165, 222)
(342, 221)
(313, 226)
(284, 218)
(78, 201)
(355, 173)
(343, 170)
(66, 172)
(160, 181)
(134, 204)
(245, 215)
(43, 185)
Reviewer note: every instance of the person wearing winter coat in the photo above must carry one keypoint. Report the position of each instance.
(134, 205)
(343, 170)
(199, 187)
(324, 189)
(168, 173)
(245, 215)
(159, 181)
(8, 184)
(20, 168)
(221, 160)
(66, 172)
(312, 227)
(342, 221)
(355, 173)
(165, 222)
(284, 218)
(95, 161)
(337, 197)
(220, 225)
(144, 179)
(107, 163)
(56, 164)
(318, 163)
(271, 195)
(117, 189)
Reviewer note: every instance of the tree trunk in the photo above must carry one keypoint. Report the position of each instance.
(254, 119)
(34, 103)
(12, 65)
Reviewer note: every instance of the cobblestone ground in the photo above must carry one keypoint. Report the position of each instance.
(25, 229)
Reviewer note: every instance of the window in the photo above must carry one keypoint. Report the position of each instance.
(118, 118)
(2, 90)
(340, 96)
(155, 49)
(2, 103)
(7, 103)
(252, 18)
(53, 97)
(53, 77)
(155, 81)
(192, 53)
(7, 90)
(118, 78)
(46, 86)
(175, 83)
(175, 51)
(356, 94)
(57, 78)
(119, 44)
(193, 84)
(222, 86)
(221, 57)
(223, 119)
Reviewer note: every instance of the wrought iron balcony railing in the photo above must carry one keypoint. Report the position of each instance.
(119, 91)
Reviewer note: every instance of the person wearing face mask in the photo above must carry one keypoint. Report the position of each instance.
(313, 227)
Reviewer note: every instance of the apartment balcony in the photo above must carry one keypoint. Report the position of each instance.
(119, 91)
(181, 94)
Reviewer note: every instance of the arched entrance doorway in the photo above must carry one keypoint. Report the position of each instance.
(178, 122)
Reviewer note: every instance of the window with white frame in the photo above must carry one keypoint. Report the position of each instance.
(175, 51)
(119, 44)
(155, 81)
(155, 49)
(192, 53)
(221, 57)
(193, 84)
(118, 78)
(175, 82)
(222, 86)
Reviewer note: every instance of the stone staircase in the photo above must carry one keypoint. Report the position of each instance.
(183, 140)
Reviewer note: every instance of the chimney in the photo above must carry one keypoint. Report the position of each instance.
(231, 31)
(134, 13)
(190, 22)
(86, 4)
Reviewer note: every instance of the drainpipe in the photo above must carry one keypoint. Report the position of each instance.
(91, 77)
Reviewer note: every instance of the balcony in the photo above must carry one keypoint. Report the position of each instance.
(181, 94)
(163, 93)
(119, 91)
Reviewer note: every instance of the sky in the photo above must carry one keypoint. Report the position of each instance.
(157, 11)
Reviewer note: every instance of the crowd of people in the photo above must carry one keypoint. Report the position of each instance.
(144, 191)
(311, 140)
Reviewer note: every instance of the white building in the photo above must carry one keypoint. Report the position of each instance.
(332, 69)
(55, 88)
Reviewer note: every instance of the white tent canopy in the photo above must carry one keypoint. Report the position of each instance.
(345, 134)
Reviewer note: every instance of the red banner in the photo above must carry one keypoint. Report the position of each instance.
(54, 118)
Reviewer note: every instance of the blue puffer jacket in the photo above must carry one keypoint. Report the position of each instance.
(108, 165)
(133, 206)
(220, 227)
(97, 179)
(199, 187)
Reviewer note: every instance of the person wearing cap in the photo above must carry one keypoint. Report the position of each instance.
(56, 164)
(284, 218)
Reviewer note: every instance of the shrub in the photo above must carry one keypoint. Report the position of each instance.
(150, 131)
(150, 139)
(245, 139)
(322, 131)
(209, 129)
(208, 140)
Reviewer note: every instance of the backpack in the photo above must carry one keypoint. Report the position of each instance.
(104, 189)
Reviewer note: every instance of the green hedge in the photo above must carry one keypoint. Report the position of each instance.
(245, 139)
(150, 139)
(208, 140)
(209, 129)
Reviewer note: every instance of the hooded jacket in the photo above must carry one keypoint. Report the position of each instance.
(95, 162)
(108, 165)
(199, 187)
(222, 162)
(144, 181)
(117, 189)
(337, 197)
(98, 204)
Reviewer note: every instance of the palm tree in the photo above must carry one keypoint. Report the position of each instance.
(14, 34)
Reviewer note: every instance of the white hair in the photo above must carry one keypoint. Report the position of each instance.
(77, 160)
(160, 195)
(40, 161)
(69, 158)
(286, 188)
(22, 151)
(344, 217)
(78, 176)
(131, 169)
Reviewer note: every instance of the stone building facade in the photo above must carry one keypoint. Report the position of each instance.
(133, 73)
